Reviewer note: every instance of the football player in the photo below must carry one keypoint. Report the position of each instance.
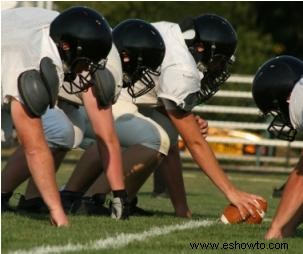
(72, 46)
(142, 50)
(278, 91)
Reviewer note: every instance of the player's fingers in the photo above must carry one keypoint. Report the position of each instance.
(52, 222)
(203, 129)
(250, 210)
(58, 219)
(201, 121)
(243, 212)
(203, 124)
(260, 198)
(256, 204)
(204, 132)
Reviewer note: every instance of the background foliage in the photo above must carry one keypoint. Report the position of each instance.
(265, 29)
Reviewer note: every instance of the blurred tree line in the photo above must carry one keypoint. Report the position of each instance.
(265, 29)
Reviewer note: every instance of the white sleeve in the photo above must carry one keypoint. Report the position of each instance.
(296, 106)
(177, 85)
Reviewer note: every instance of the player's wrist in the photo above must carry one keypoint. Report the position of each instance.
(230, 192)
(55, 208)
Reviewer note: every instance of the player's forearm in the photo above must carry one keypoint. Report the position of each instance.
(205, 158)
(41, 166)
(200, 150)
(112, 163)
(38, 155)
(291, 201)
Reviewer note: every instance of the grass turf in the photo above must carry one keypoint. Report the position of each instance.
(24, 232)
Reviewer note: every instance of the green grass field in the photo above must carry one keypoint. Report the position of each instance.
(162, 233)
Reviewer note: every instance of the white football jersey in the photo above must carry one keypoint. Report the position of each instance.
(179, 76)
(296, 106)
(25, 41)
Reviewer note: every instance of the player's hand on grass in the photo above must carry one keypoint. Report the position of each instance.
(273, 233)
(58, 218)
(278, 230)
(244, 202)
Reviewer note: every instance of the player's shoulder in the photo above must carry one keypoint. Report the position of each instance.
(114, 61)
(29, 12)
(165, 26)
(27, 18)
(114, 54)
(163, 23)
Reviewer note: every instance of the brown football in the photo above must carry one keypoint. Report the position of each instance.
(231, 214)
(259, 215)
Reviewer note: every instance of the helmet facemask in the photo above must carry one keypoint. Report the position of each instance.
(78, 71)
(214, 67)
(280, 127)
(141, 73)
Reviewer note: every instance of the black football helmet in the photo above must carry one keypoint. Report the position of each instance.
(271, 89)
(84, 39)
(142, 51)
(212, 45)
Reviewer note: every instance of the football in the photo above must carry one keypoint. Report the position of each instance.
(231, 214)
(259, 214)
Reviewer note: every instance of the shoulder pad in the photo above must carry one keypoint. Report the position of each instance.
(33, 92)
(51, 79)
(105, 87)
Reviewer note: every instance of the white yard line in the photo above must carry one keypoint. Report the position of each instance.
(117, 241)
